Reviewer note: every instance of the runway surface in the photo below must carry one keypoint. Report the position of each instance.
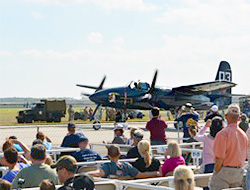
(57, 132)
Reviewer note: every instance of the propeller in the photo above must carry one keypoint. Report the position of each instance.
(152, 87)
(100, 86)
(148, 95)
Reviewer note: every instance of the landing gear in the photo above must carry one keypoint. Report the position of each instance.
(96, 125)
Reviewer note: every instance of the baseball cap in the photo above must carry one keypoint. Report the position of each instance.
(188, 106)
(233, 109)
(83, 139)
(138, 135)
(118, 126)
(68, 162)
(71, 126)
(214, 108)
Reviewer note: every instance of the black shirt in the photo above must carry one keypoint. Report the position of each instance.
(212, 115)
(133, 153)
(141, 165)
(79, 182)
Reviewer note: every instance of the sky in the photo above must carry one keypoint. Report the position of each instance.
(49, 46)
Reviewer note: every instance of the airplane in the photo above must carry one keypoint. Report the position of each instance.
(143, 96)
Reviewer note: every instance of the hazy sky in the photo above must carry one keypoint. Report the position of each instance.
(48, 46)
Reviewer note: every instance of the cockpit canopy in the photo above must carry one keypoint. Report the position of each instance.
(139, 85)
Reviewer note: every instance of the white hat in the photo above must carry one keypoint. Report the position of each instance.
(214, 108)
(118, 126)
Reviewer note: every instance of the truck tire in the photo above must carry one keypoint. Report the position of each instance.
(57, 119)
(19, 120)
(96, 125)
(28, 120)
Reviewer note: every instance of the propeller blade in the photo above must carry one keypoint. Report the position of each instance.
(92, 117)
(100, 86)
(85, 94)
(152, 87)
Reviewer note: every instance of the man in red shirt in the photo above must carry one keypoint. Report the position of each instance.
(157, 127)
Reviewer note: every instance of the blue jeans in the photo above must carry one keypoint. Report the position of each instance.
(209, 168)
(247, 185)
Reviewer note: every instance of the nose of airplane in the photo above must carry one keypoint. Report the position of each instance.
(94, 97)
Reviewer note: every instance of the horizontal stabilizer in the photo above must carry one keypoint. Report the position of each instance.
(86, 86)
(203, 87)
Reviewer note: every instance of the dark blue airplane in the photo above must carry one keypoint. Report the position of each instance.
(143, 96)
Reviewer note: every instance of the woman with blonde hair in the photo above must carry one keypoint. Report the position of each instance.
(175, 159)
(146, 162)
(183, 178)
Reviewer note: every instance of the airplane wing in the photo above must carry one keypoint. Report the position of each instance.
(203, 87)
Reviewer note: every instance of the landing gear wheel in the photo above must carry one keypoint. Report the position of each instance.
(96, 125)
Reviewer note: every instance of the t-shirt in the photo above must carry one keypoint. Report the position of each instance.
(184, 118)
(34, 175)
(12, 173)
(71, 140)
(47, 145)
(171, 163)
(212, 115)
(124, 169)
(141, 165)
(120, 140)
(157, 129)
(133, 153)
(86, 155)
(82, 181)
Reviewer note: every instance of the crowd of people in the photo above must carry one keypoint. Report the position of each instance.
(225, 151)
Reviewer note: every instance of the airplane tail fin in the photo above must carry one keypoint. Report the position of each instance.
(224, 73)
(223, 97)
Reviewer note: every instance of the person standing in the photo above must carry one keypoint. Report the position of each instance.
(213, 113)
(185, 117)
(157, 127)
(71, 113)
(230, 152)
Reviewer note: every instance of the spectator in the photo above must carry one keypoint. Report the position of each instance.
(48, 159)
(157, 127)
(244, 125)
(85, 154)
(131, 139)
(183, 178)
(66, 168)
(213, 113)
(215, 125)
(119, 136)
(72, 138)
(38, 171)
(16, 146)
(230, 152)
(45, 139)
(71, 113)
(116, 169)
(47, 184)
(11, 157)
(133, 152)
(176, 159)
(5, 185)
(146, 163)
(185, 117)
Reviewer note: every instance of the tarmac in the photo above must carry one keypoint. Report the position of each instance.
(57, 132)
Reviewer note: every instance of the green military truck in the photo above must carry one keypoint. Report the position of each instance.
(46, 110)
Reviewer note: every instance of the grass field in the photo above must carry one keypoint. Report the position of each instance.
(8, 117)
